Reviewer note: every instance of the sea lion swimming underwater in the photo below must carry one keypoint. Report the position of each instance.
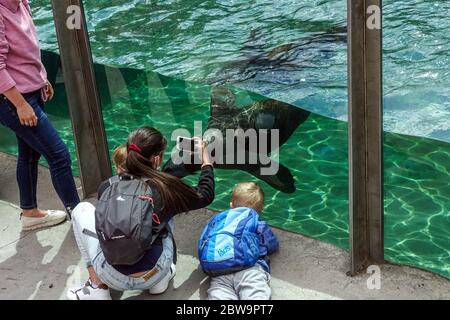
(225, 114)
(266, 114)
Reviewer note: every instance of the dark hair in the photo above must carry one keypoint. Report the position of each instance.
(172, 190)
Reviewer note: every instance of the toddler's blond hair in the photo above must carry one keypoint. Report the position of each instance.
(120, 157)
(248, 194)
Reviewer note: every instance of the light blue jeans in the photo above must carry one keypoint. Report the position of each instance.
(83, 217)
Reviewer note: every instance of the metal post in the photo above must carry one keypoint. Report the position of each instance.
(365, 137)
(84, 105)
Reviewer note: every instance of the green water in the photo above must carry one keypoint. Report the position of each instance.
(265, 46)
(416, 169)
(199, 43)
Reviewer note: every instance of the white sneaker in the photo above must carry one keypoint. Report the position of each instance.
(52, 218)
(88, 292)
(163, 284)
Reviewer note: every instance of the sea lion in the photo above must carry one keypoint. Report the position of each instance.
(266, 114)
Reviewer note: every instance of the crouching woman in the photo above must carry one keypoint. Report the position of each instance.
(168, 197)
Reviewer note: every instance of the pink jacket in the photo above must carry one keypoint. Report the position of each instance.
(20, 56)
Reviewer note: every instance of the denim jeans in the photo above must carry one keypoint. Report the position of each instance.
(34, 142)
(83, 217)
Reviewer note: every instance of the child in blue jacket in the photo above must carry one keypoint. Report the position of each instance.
(234, 248)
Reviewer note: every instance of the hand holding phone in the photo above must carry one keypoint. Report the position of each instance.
(194, 146)
(191, 145)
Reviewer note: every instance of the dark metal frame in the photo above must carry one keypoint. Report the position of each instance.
(83, 100)
(365, 138)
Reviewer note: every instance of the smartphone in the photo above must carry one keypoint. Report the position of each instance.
(186, 144)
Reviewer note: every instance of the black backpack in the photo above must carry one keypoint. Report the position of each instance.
(125, 220)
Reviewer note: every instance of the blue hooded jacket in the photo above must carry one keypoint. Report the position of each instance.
(268, 244)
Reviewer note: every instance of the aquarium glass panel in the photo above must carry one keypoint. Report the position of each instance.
(199, 65)
(416, 62)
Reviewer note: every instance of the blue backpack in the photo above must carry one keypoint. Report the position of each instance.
(229, 242)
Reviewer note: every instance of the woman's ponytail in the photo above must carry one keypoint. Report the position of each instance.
(143, 144)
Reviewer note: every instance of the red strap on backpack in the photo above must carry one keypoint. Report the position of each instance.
(155, 217)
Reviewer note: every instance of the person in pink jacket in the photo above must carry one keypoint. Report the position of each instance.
(23, 90)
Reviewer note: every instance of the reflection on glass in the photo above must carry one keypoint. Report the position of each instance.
(417, 160)
(274, 65)
(309, 192)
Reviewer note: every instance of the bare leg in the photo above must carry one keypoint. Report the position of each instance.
(34, 213)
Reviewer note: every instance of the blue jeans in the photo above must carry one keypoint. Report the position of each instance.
(34, 142)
